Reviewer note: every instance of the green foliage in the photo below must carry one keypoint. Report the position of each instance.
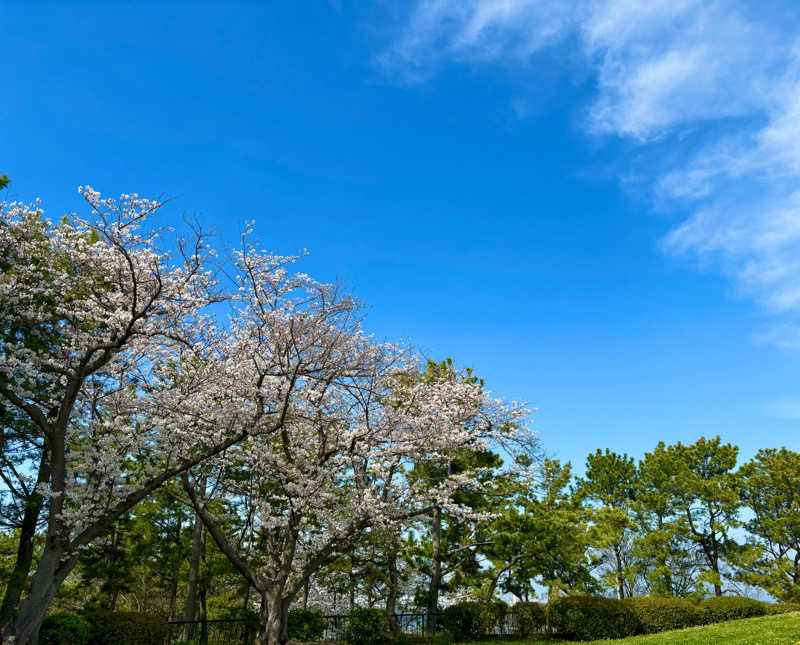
(465, 620)
(367, 627)
(531, 618)
(722, 608)
(708, 496)
(401, 639)
(445, 638)
(774, 609)
(4, 181)
(609, 488)
(64, 629)
(770, 486)
(662, 614)
(306, 625)
(664, 556)
(592, 617)
(126, 628)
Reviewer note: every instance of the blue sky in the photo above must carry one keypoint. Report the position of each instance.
(593, 204)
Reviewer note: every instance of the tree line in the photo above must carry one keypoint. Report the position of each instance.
(198, 433)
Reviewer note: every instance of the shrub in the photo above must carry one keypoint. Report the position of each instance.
(591, 617)
(64, 629)
(660, 614)
(306, 625)
(531, 618)
(493, 613)
(721, 608)
(781, 608)
(445, 638)
(126, 628)
(465, 620)
(367, 627)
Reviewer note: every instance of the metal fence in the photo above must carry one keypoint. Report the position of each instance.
(232, 631)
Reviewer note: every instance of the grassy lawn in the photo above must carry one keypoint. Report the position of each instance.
(768, 630)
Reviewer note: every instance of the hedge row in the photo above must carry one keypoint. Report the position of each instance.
(578, 617)
(101, 627)
(593, 617)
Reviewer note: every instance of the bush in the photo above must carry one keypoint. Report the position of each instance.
(64, 629)
(721, 608)
(660, 614)
(306, 625)
(781, 608)
(591, 617)
(531, 618)
(465, 620)
(367, 627)
(445, 638)
(493, 613)
(126, 628)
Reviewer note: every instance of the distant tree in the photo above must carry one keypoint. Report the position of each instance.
(663, 553)
(538, 537)
(4, 181)
(770, 489)
(708, 498)
(609, 487)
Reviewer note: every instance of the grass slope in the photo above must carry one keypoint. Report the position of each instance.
(767, 630)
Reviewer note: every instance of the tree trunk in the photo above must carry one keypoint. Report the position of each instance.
(352, 591)
(436, 573)
(22, 566)
(270, 617)
(51, 570)
(285, 620)
(48, 577)
(391, 596)
(190, 604)
(202, 597)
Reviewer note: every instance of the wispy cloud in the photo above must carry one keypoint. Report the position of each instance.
(715, 83)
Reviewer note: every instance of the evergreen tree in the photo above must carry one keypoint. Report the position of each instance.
(609, 488)
(770, 488)
(708, 498)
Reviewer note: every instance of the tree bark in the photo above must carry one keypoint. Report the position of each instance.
(271, 619)
(436, 573)
(190, 605)
(48, 577)
(391, 596)
(22, 566)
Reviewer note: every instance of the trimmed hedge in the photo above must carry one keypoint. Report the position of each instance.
(64, 629)
(126, 628)
(531, 618)
(722, 608)
(464, 620)
(661, 614)
(781, 608)
(590, 618)
(367, 627)
(306, 625)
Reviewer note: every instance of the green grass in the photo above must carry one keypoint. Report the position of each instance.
(767, 630)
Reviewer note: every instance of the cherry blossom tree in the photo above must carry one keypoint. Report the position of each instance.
(339, 469)
(120, 376)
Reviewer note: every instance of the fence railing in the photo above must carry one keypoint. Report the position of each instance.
(243, 631)
(233, 631)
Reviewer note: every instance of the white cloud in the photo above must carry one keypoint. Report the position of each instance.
(716, 82)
